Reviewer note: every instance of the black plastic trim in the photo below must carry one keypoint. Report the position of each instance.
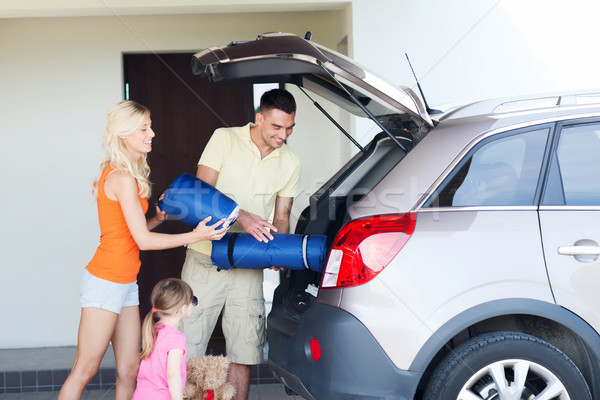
(352, 364)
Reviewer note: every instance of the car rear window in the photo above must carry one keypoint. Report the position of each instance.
(500, 171)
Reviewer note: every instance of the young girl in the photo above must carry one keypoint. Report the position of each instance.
(109, 291)
(162, 372)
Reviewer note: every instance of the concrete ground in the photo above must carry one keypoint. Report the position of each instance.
(257, 392)
(39, 373)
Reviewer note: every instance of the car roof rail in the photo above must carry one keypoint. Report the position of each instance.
(526, 103)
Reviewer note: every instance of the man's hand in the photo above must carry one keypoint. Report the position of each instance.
(256, 226)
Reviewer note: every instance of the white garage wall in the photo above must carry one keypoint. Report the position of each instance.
(58, 78)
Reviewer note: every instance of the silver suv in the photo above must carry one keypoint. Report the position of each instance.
(464, 259)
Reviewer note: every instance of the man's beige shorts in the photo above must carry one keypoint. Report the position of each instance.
(239, 293)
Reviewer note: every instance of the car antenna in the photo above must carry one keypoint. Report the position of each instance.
(430, 111)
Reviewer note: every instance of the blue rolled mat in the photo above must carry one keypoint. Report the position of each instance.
(242, 250)
(190, 200)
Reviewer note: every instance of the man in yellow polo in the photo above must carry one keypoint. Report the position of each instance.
(252, 165)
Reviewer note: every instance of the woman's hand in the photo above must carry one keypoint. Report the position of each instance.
(210, 232)
(159, 217)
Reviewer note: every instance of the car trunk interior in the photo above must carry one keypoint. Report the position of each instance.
(328, 212)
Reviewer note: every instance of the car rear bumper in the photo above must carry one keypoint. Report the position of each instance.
(352, 364)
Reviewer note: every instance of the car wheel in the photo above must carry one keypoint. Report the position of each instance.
(507, 366)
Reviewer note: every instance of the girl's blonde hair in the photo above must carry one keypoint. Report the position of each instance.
(168, 297)
(124, 119)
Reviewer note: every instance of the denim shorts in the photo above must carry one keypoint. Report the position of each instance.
(99, 293)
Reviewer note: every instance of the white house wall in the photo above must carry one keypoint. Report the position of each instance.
(58, 78)
(477, 49)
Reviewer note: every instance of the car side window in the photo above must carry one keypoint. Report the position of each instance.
(574, 177)
(502, 171)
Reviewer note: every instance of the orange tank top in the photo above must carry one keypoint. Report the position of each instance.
(117, 258)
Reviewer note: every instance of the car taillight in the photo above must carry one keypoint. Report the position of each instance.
(315, 349)
(364, 247)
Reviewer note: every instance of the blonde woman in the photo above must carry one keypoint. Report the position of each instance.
(109, 292)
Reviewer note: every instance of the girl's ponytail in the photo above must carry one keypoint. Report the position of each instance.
(149, 333)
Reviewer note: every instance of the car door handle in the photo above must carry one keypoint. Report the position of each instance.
(579, 250)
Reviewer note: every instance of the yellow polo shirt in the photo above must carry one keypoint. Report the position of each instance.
(253, 183)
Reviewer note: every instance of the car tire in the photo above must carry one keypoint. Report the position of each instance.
(518, 365)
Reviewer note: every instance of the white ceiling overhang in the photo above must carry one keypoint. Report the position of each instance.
(81, 8)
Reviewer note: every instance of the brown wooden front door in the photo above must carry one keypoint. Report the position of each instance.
(185, 110)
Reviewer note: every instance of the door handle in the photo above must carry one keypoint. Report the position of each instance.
(579, 250)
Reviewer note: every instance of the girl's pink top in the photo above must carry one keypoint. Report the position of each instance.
(152, 377)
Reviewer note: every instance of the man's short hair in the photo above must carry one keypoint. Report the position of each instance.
(279, 99)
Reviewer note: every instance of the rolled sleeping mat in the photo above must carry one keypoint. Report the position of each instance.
(242, 250)
(190, 200)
